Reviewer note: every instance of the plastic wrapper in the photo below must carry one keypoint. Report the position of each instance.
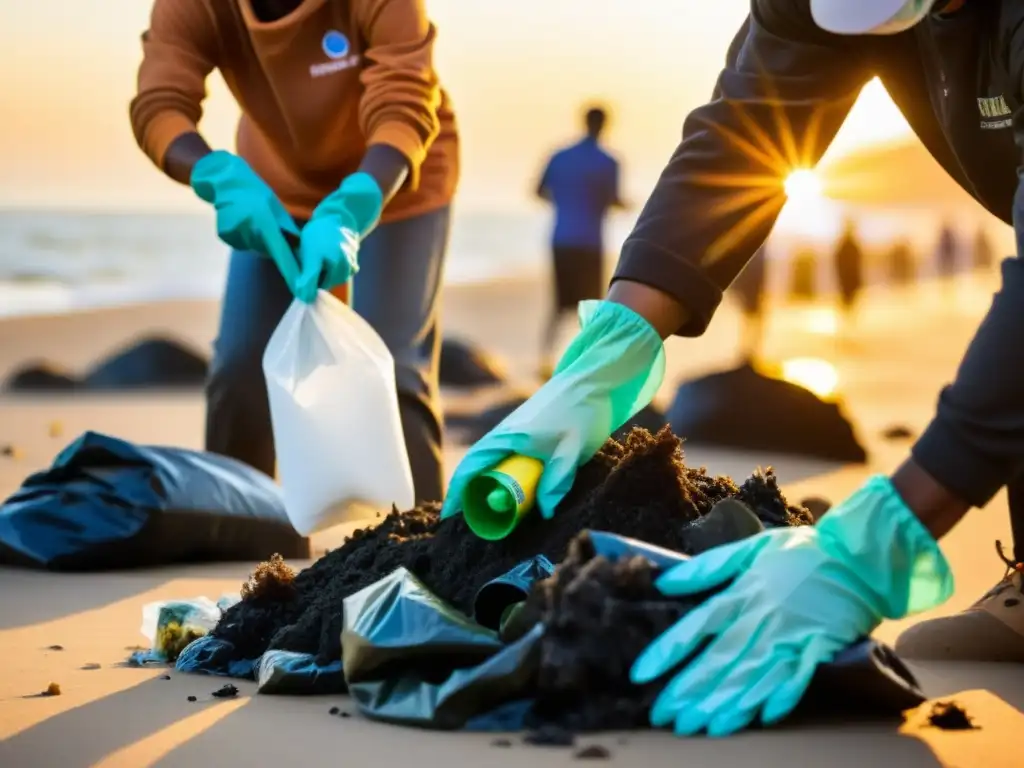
(171, 625)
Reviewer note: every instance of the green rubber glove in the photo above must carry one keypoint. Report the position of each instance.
(329, 245)
(798, 596)
(249, 215)
(612, 369)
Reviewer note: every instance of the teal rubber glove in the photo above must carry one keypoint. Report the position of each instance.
(249, 215)
(329, 245)
(798, 596)
(612, 369)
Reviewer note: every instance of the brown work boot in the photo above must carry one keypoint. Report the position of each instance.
(990, 630)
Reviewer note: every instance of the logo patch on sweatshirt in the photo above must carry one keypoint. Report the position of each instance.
(337, 48)
(335, 44)
(995, 113)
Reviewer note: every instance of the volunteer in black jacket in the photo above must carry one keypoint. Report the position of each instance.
(795, 597)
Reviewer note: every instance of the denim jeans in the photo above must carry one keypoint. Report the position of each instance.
(401, 265)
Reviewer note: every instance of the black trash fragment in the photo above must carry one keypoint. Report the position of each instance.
(107, 504)
(728, 521)
(462, 365)
(741, 408)
(497, 596)
(40, 377)
(149, 363)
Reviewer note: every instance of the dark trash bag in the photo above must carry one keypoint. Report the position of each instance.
(462, 365)
(40, 377)
(744, 409)
(409, 659)
(149, 363)
(107, 504)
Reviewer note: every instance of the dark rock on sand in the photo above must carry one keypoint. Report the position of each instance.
(463, 365)
(40, 377)
(743, 409)
(149, 363)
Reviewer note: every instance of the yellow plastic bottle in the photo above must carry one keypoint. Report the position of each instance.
(495, 502)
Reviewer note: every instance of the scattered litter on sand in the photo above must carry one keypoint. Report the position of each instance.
(950, 716)
(593, 752)
(53, 689)
(11, 452)
(897, 432)
(55, 647)
(639, 488)
(225, 692)
(92, 665)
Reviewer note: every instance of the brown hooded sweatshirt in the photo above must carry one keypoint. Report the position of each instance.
(315, 88)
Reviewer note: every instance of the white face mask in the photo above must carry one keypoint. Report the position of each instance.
(910, 14)
(870, 17)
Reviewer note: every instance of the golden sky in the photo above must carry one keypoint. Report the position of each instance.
(517, 72)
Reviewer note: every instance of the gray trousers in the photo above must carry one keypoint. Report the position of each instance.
(401, 266)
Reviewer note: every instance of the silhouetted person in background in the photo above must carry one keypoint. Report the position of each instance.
(900, 263)
(945, 253)
(983, 255)
(582, 182)
(749, 288)
(848, 262)
(803, 279)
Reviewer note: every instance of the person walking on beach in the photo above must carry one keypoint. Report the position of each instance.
(790, 599)
(848, 263)
(581, 181)
(347, 161)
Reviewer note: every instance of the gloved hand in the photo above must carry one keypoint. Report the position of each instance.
(249, 215)
(798, 596)
(611, 370)
(329, 245)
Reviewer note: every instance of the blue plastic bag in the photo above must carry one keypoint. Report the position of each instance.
(107, 504)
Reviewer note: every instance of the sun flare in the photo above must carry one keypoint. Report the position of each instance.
(803, 186)
(819, 376)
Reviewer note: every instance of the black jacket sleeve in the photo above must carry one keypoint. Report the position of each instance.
(975, 443)
(786, 88)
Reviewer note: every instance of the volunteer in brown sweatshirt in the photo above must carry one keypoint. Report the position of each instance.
(347, 161)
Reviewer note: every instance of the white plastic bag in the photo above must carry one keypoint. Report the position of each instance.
(340, 450)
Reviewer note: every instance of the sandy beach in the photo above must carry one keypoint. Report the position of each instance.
(889, 372)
